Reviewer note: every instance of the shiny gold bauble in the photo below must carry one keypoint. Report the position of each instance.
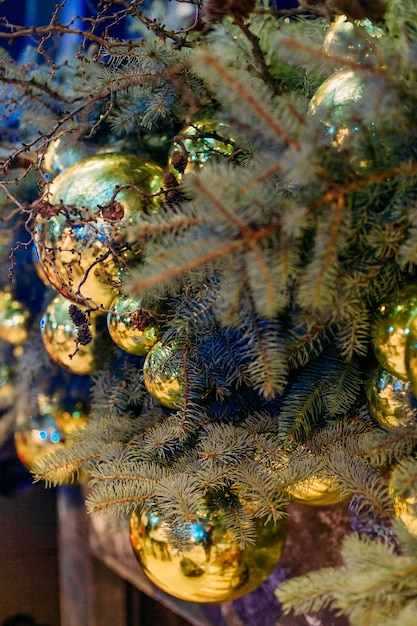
(164, 375)
(14, 317)
(391, 401)
(46, 430)
(65, 151)
(390, 331)
(123, 323)
(84, 247)
(351, 41)
(411, 351)
(213, 567)
(201, 142)
(317, 491)
(405, 508)
(59, 335)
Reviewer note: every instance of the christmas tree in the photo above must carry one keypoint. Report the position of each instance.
(209, 246)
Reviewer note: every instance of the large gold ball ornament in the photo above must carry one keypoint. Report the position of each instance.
(213, 566)
(131, 328)
(317, 491)
(46, 430)
(164, 376)
(391, 401)
(390, 331)
(199, 143)
(87, 236)
(14, 318)
(351, 41)
(61, 336)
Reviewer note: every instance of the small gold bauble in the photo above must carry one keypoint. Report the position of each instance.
(390, 331)
(213, 567)
(46, 431)
(85, 245)
(14, 317)
(317, 491)
(131, 328)
(59, 335)
(391, 400)
(405, 508)
(201, 142)
(164, 375)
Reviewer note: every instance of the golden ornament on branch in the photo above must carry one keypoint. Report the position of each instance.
(132, 328)
(213, 566)
(85, 230)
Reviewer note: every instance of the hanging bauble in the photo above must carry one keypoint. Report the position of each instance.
(342, 107)
(391, 401)
(405, 506)
(14, 318)
(411, 351)
(165, 376)
(78, 345)
(46, 429)
(85, 230)
(390, 331)
(213, 566)
(200, 142)
(131, 327)
(351, 41)
(317, 491)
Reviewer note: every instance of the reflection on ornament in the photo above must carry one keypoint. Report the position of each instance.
(405, 507)
(390, 330)
(164, 375)
(391, 400)
(84, 246)
(65, 151)
(131, 328)
(46, 431)
(7, 390)
(317, 491)
(411, 351)
(14, 317)
(40, 272)
(340, 106)
(60, 335)
(351, 41)
(200, 142)
(213, 567)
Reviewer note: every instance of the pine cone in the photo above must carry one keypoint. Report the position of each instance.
(216, 10)
(84, 335)
(179, 161)
(113, 211)
(78, 317)
(141, 318)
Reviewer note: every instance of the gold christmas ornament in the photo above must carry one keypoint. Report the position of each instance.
(78, 348)
(165, 379)
(65, 151)
(14, 318)
(411, 351)
(317, 491)
(391, 401)
(46, 430)
(213, 567)
(390, 331)
(85, 228)
(351, 41)
(405, 507)
(200, 142)
(132, 328)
